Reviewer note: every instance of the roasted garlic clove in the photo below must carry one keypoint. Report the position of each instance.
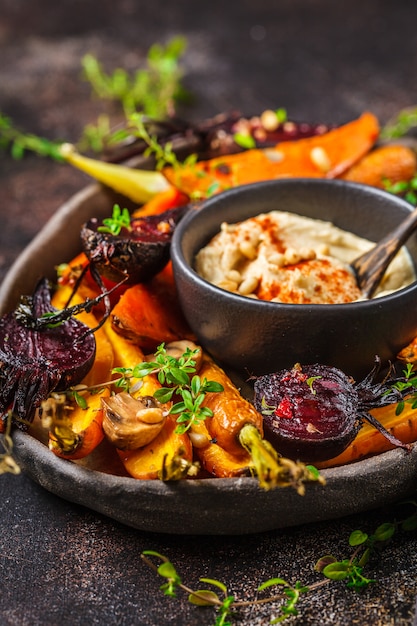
(131, 423)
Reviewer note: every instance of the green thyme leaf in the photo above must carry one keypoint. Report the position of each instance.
(120, 219)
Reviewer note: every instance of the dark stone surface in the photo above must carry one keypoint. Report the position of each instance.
(322, 60)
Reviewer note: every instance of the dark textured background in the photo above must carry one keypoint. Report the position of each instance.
(323, 61)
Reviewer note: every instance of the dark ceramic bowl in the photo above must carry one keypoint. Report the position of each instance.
(256, 337)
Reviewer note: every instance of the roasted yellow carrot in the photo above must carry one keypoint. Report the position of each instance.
(148, 462)
(80, 430)
(138, 185)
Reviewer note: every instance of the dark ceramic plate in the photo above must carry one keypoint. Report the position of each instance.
(210, 506)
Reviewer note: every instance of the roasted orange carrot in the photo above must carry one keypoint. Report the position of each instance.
(409, 353)
(149, 313)
(327, 155)
(237, 428)
(393, 163)
(221, 464)
(216, 460)
(163, 201)
(369, 441)
(230, 410)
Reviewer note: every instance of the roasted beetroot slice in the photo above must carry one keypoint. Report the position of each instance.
(310, 412)
(33, 363)
(139, 253)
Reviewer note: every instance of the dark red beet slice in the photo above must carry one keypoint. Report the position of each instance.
(139, 253)
(310, 412)
(33, 363)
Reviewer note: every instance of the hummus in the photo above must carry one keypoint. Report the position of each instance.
(284, 257)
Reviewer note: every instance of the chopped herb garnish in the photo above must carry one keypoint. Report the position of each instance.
(174, 374)
(114, 224)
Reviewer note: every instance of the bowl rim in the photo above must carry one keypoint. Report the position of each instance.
(210, 205)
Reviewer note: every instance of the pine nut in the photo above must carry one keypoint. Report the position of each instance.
(248, 285)
(150, 416)
(234, 276)
(228, 285)
(248, 250)
(269, 120)
(320, 158)
(277, 259)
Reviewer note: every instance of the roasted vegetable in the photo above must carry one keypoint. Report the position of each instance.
(369, 441)
(326, 156)
(313, 412)
(74, 430)
(409, 353)
(167, 457)
(138, 185)
(131, 423)
(150, 314)
(230, 410)
(40, 353)
(137, 248)
(162, 202)
(237, 428)
(391, 163)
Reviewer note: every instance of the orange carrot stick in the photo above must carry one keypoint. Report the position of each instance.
(391, 163)
(149, 313)
(230, 410)
(323, 156)
(163, 201)
(215, 459)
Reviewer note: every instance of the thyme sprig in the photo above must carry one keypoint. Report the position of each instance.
(286, 603)
(120, 219)
(179, 381)
(18, 142)
(153, 90)
(407, 384)
(407, 189)
(162, 153)
(404, 121)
